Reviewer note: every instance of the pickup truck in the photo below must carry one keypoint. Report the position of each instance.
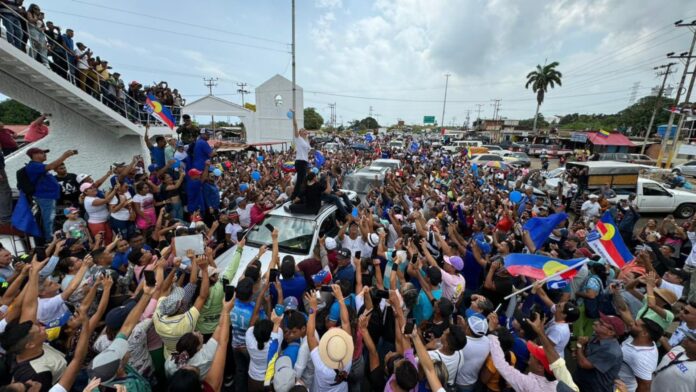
(651, 196)
(552, 151)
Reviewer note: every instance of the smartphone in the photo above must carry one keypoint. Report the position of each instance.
(106, 388)
(279, 309)
(273, 275)
(74, 152)
(229, 292)
(269, 227)
(326, 289)
(382, 294)
(358, 254)
(408, 329)
(225, 282)
(414, 258)
(40, 252)
(150, 279)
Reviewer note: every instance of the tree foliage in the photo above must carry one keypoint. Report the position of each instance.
(369, 123)
(13, 112)
(543, 77)
(312, 119)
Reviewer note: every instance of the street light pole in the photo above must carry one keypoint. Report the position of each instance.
(444, 102)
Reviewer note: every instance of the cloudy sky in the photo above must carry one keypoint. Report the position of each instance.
(392, 55)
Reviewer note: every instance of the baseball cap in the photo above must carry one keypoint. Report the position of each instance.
(284, 378)
(330, 244)
(538, 353)
(477, 322)
(70, 210)
(81, 177)
(34, 150)
(240, 200)
(291, 303)
(85, 186)
(343, 253)
(106, 364)
(117, 316)
(194, 172)
(455, 261)
(616, 324)
(14, 332)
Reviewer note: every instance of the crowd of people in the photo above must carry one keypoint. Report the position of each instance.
(27, 30)
(412, 293)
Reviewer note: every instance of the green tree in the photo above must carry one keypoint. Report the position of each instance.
(369, 123)
(540, 80)
(13, 112)
(312, 119)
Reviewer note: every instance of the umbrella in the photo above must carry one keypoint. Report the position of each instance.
(496, 164)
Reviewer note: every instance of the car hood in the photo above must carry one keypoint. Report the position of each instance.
(248, 254)
(679, 192)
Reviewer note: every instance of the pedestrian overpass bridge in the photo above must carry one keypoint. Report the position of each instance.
(79, 121)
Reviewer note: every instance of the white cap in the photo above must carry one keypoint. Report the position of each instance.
(330, 243)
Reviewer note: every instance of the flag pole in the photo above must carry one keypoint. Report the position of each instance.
(557, 274)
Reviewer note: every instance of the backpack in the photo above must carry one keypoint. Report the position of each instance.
(24, 183)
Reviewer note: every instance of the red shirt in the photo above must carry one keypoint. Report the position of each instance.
(37, 131)
(7, 138)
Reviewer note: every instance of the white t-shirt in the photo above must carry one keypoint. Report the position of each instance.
(304, 368)
(82, 61)
(51, 309)
(691, 260)
(97, 214)
(324, 376)
(638, 361)
(258, 359)
(302, 149)
(232, 229)
(201, 360)
(245, 215)
(475, 354)
(559, 334)
(590, 209)
(676, 377)
(355, 245)
(123, 214)
(452, 362)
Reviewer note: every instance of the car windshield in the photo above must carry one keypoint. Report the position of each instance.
(358, 184)
(519, 155)
(295, 237)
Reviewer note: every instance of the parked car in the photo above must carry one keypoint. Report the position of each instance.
(332, 147)
(517, 158)
(483, 158)
(641, 159)
(686, 169)
(298, 238)
(651, 196)
(614, 156)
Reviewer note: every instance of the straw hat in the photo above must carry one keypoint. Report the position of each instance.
(336, 348)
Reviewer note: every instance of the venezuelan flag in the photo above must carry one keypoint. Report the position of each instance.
(607, 242)
(603, 133)
(541, 267)
(154, 107)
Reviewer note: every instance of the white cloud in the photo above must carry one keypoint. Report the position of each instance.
(328, 3)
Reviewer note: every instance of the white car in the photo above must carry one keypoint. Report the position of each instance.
(651, 196)
(299, 235)
(396, 144)
(392, 164)
(483, 158)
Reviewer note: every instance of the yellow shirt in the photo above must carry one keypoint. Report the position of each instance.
(171, 328)
(493, 383)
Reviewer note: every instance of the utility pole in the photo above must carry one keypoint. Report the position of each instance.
(666, 73)
(332, 115)
(466, 124)
(665, 140)
(294, 86)
(370, 115)
(210, 83)
(444, 102)
(683, 113)
(634, 93)
(478, 116)
(496, 109)
(242, 90)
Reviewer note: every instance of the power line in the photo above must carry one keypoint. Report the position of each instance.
(210, 83)
(242, 90)
(178, 33)
(181, 22)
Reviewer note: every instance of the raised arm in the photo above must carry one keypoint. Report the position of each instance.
(363, 323)
(312, 341)
(222, 336)
(134, 316)
(202, 262)
(77, 280)
(425, 361)
(30, 303)
(345, 320)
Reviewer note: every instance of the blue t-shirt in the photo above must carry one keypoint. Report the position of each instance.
(127, 180)
(424, 309)
(335, 311)
(70, 44)
(240, 319)
(201, 153)
(293, 287)
(120, 259)
(194, 192)
(292, 350)
(157, 156)
(345, 273)
(45, 185)
(211, 195)
(472, 271)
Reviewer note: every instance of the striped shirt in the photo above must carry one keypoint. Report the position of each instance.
(171, 328)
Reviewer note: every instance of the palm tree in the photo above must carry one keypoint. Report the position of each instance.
(540, 80)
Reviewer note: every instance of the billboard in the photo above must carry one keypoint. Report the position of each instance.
(428, 119)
